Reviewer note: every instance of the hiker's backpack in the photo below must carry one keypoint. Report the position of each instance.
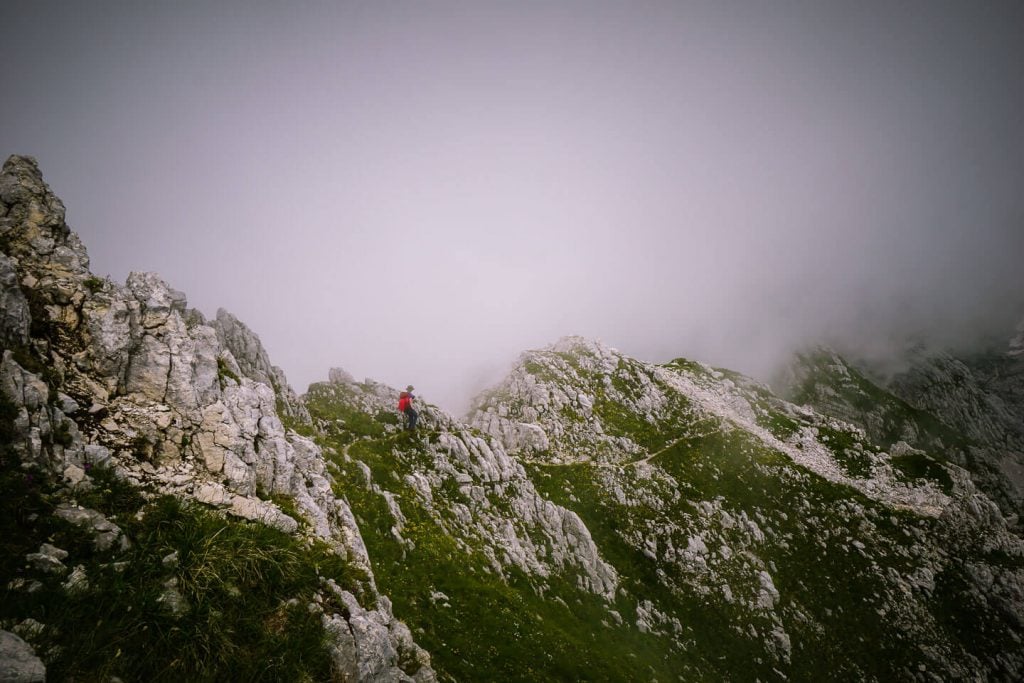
(403, 402)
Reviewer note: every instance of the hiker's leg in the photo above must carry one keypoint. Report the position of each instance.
(413, 415)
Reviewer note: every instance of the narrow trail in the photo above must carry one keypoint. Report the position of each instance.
(672, 444)
(619, 466)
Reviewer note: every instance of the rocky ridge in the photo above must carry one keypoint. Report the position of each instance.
(595, 517)
(786, 523)
(581, 414)
(965, 410)
(466, 483)
(128, 378)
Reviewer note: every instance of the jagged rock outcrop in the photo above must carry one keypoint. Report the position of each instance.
(128, 377)
(770, 517)
(969, 411)
(254, 363)
(588, 401)
(498, 509)
(982, 398)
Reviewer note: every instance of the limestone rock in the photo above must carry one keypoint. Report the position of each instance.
(383, 647)
(254, 363)
(18, 661)
(48, 560)
(77, 581)
(105, 533)
(14, 312)
(340, 376)
(172, 599)
(261, 511)
(164, 410)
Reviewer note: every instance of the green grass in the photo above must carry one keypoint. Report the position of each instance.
(834, 583)
(921, 466)
(338, 408)
(94, 284)
(490, 628)
(224, 373)
(246, 587)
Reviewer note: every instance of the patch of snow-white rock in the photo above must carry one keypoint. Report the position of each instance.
(148, 386)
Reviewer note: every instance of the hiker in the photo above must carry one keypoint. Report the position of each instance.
(405, 407)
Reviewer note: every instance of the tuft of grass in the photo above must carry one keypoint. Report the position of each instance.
(921, 466)
(338, 408)
(224, 373)
(245, 588)
(110, 494)
(234, 578)
(93, 283)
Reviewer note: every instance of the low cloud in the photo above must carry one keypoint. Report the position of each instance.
(418, 193)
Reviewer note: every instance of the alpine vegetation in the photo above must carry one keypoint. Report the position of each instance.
(161, 521)
(173, 510)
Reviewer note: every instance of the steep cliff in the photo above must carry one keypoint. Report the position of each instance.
(104, 380)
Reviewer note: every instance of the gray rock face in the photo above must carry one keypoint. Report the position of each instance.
(18, 661)
(340, 376)
(969, 411)
(104, 532)
(174, 403)
(14, 314)
(254, 363)
(677, 450)
(383, 644)
(502, 512)
(983, 399)
(49, 559)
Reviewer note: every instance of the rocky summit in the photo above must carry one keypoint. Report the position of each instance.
(173, 510)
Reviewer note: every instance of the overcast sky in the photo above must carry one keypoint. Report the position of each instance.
(418, 191)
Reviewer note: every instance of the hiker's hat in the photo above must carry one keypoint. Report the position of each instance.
(409, 388)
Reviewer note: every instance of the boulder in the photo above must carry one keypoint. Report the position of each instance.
(18, 661)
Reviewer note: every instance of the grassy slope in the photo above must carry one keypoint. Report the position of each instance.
(850, 387)
(836, 605)
(832, 554)
(247, 587)
(520, 628)
(828, 584)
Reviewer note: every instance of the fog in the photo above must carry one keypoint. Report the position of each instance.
(417, 192)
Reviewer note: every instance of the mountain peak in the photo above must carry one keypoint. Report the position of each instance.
(576, 344)
(108, 387)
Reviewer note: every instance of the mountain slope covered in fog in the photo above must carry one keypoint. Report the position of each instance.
(173, 510)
